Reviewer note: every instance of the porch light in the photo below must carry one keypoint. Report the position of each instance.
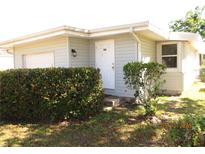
(74, 52)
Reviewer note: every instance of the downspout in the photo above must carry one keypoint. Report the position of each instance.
(138, 43)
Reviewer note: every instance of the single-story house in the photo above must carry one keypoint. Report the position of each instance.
(110, 49)
(6, 60)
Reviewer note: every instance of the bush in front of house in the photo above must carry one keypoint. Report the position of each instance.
(50, 94)
(188, 131)
(144, 78)
(202, 74)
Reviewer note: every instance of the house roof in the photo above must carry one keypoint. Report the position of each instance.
(143, 28)
(195, 40)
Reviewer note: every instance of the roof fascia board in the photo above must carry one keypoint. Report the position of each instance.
(120, 27)
(62, 29)
(44, 36)
(30, 36)
(11, 44)
(76, 32)
(194, 39)
(108, 33)
(159, 32)
(127, 30)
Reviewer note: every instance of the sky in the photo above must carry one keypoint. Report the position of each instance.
(21, 17)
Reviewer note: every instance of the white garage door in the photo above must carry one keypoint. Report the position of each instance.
(42, 60)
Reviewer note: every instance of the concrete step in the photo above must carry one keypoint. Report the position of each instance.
(114, 101)
(109, 101)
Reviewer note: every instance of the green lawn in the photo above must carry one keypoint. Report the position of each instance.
(122, 126)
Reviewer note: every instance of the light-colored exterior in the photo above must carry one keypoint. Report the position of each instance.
(181, 78)
(6, 60)
(125, 51)
(57, 45)
(134, 42)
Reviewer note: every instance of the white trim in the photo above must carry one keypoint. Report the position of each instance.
(72, 31)
(119, 27)
(114, 74)
(179, 57)
(142, 27)
(169, 56)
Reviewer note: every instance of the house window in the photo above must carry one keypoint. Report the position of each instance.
(169, 55)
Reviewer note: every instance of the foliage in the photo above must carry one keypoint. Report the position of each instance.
(193, 22)
(144, 78)
(202, 74)
(50, 94)
(188, 131)
(123, 126)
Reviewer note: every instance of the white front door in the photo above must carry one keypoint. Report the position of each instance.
(40, 60)
(105, 61)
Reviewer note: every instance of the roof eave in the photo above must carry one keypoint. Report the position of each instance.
(194, 39)
(142, 27)
(75, 32)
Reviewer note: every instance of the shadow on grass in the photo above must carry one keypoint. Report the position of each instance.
(110, 128)
(98, 131)
(123, 126)
(182, 106)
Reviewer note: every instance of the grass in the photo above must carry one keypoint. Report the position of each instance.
(191, 101)
(122, 126)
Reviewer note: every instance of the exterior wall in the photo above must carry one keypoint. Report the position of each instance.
(190, 65)
(56, 45)
(148, 49)
(173, 82)
(6, 61)
(174, 76)
(125, 51)
(181, 78)
(82, 47)
(177, 79)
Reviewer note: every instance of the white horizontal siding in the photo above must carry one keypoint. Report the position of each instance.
(148, 49)
(173, 82)
(57, 45)
(82, 47)
(6, 62)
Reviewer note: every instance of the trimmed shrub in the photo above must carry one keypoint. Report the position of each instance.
(144, 78)
(202, 74)
(50, 94)
(188, 131)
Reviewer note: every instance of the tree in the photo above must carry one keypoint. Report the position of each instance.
(144, 78)
(194, 21)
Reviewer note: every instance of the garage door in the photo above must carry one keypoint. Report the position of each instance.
(41, 60)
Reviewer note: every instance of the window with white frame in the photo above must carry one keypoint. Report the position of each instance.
(169, 55)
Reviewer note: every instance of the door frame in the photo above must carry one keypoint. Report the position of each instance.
(114, 74)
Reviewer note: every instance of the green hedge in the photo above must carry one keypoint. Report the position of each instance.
(50, 94)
